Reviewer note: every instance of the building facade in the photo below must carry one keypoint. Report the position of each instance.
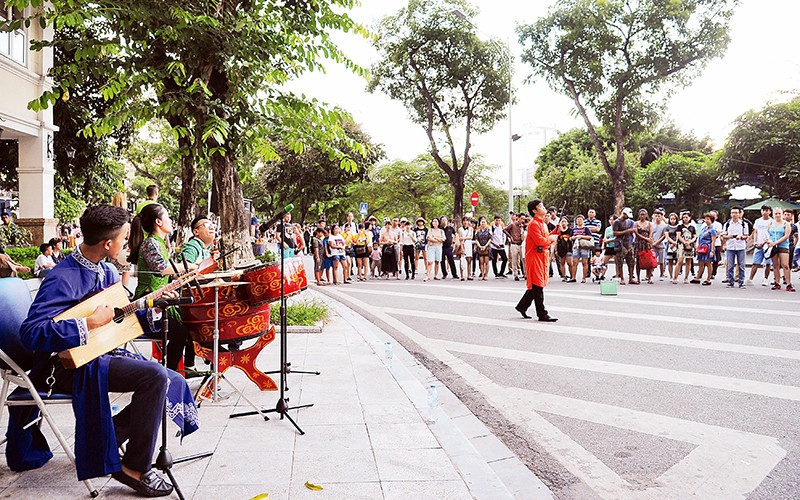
(23, 78)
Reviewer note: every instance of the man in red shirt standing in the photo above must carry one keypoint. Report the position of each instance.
(537, 261)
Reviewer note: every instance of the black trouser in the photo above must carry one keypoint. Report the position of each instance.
(502, 253)
(408, 260)
(447, 257)
(178, 343)
(717, 258)
(533, 295)
(139, 421)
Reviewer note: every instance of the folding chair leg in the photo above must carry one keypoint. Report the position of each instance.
(3, 395)
(64, 445)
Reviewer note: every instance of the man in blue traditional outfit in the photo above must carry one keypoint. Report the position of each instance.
(97, 435)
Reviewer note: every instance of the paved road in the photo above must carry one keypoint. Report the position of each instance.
(662, 392)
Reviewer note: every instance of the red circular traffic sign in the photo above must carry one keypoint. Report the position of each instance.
(474, 198)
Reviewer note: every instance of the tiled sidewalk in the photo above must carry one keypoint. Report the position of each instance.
(365, 437)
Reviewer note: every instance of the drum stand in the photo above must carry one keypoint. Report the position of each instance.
(282, 406)
(164, 460)
(214, 378)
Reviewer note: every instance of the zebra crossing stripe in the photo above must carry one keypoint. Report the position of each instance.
(738, 325)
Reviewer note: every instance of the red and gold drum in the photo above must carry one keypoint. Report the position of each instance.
(238, 321)
(264, 281)
(226, 293)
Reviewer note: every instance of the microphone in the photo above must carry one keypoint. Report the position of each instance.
(275, 218)
(163, 303)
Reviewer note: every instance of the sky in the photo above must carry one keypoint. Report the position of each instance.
(761, 64)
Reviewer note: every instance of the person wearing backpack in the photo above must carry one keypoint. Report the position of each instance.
(735, 232)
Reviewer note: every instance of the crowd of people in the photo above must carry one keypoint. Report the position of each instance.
(674, 247)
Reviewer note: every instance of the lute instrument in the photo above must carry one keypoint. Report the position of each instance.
(125, 325)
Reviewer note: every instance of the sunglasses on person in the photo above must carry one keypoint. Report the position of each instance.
(207, 223)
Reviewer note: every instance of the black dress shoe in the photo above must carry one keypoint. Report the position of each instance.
(549, 319)
(523, 313)
(150, 485)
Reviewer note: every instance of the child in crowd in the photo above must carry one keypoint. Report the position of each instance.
(375, 261)
(44, 262)
(598, 266)
(319, 255)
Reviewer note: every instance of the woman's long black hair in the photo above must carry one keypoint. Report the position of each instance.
(143, 223)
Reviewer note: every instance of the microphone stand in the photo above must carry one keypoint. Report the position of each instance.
(282, 406)
(164, 460)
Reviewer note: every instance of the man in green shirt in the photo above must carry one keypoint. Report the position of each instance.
(198, 248)
(152, 196)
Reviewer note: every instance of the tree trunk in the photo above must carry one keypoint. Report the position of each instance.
(188, 197)
(457, 181)
(227, 194)
(618, 188)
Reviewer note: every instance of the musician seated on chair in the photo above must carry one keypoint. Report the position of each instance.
(148, 250)
(200, 245)
(97, 434)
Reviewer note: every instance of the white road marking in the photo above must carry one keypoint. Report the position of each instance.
(591, 312)
(605, 334)
(621, 299)
(731, 384)
(590, 289)
(727, 464)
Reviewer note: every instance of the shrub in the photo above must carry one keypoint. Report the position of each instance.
(26, 256)
(268, 256)
(305, 312)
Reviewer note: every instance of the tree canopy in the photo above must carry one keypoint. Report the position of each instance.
(763, 149)
(569, 171)
(419, 188)
(311, 180)
(434, 63)
(693, 179)
(613, 58)
(214, 70)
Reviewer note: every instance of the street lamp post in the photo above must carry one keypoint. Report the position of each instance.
(510, 138)
(511, 135)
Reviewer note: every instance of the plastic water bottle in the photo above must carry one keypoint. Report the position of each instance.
(114, 410)
(433, 403)
(388, 353)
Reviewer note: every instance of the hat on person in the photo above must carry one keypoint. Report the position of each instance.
(420, 219)
(627, 211)
(386, 219)
(403, 219)
(659, 211)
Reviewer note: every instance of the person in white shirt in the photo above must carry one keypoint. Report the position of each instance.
(397, 228)
(44, 262)
(735, 232)
(407, 241)
(760, 237)
(498, 247)
(465, 237)
(717, 225)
